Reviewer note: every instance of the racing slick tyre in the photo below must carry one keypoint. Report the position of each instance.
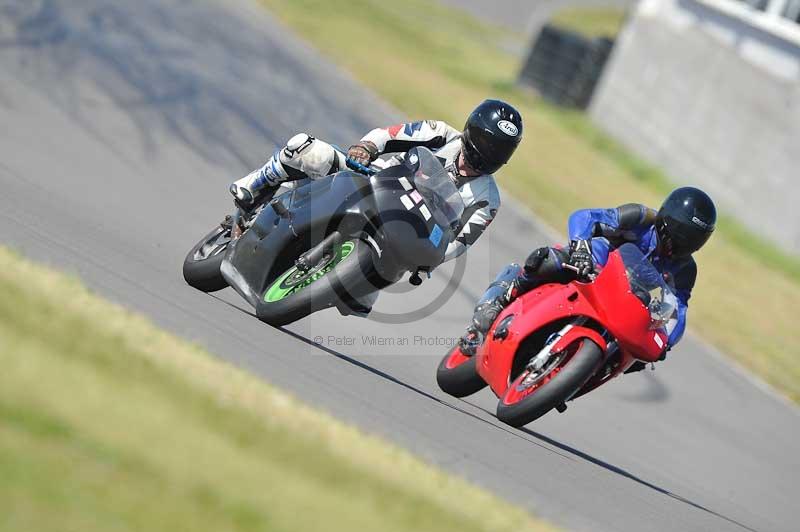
(457, 374)
(346, 272)
(532, 395)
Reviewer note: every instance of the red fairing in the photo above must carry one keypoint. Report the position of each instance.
(607, 302)
(558, 342)
(574, 334)
(531, 311)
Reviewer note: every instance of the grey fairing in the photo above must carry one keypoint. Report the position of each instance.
(402, 234)
(340, 202)
(367, 208)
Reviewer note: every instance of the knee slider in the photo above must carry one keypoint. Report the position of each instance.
(298, 144)
(535, 260)
(506, 276)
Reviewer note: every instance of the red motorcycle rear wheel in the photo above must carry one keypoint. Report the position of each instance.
(524, 402)
(457, 374)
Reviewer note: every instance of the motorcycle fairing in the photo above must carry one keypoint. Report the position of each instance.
(552, 303)
(341, 201)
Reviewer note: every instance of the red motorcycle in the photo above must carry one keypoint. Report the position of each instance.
(561, 341)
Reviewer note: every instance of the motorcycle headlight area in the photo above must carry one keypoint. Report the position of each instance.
(663, 307)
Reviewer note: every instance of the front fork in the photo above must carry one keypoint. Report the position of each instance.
(540, 359)
(314, 256)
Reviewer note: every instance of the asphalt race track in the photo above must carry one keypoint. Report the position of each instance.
(122, 124)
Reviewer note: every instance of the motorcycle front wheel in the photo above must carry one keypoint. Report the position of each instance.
(530, 396)
(344, 272)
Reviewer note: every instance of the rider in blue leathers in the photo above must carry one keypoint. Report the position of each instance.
(667, 237)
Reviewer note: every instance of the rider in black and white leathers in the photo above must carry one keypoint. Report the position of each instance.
(479, 192)
(305, 156)
(491, 134)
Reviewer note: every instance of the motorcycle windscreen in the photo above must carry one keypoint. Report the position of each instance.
(649, 285)
(420, 208)
(437, 188)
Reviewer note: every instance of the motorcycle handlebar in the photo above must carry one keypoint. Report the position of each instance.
(360, 168)
(589, 277)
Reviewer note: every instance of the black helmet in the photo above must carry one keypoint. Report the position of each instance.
(492, 133)
(685, 221)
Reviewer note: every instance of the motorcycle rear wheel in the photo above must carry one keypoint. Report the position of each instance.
(519, 405)
(202, 263)
(457, 374)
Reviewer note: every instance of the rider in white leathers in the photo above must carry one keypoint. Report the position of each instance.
(491, 134)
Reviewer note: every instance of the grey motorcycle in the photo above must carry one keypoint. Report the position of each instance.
(329, 241)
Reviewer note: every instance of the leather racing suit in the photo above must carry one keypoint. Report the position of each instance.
(307, 157)
(606, 230)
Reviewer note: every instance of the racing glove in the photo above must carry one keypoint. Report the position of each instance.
(580, 258)
(363, 152)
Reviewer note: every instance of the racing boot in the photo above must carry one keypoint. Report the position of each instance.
(497, 297)
(303, 156)
(254, 188)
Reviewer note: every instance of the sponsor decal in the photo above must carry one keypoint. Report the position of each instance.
(431, 123)
(659, 341)
(414, 199)
(508, 128)
(407, 203)
(425, 212)
(699, 222)
(436, 235)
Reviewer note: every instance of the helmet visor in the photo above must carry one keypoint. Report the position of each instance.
(480, 160)
(683, 239)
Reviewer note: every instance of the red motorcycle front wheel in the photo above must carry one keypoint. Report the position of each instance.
(530, 396)
(457, 374)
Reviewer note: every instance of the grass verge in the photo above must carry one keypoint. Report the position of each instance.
(432, 61)
(108, 424)
(591, 21)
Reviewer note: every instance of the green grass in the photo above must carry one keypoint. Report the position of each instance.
(770, 255)
(107, 424)
(430, 61)
(591, 21)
